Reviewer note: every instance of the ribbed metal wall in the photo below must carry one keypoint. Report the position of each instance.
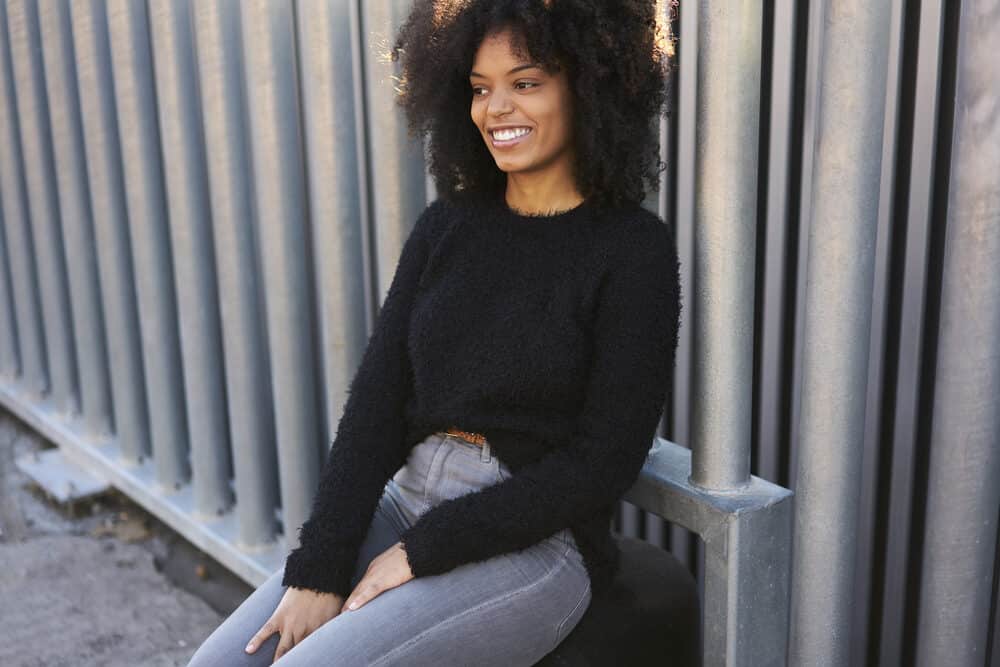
(203, 202)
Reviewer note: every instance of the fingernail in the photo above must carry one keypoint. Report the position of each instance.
(249, 647)
(353, 605)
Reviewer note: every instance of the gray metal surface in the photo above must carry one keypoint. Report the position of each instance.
(189, 217)
(111, 234)
(746, 534)
(219, 51)
(38, 169)
(155, 291)
(276, 158)
(75, 212)
(912, 374)
(33, 378)
(729, 40)
(842, 225)
(963, 489)
(9, 362)
(330, 57)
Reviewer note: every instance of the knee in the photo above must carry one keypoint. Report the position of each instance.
(216, 650)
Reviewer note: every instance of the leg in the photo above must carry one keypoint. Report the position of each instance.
(225, 645)
(505, 611)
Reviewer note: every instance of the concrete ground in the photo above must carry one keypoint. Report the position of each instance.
(101, 582)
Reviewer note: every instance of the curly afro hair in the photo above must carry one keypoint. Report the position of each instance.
(617, 54)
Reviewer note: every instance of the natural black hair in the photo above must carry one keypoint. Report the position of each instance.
(618, 55)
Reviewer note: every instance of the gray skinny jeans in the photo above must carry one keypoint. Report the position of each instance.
(508, 610)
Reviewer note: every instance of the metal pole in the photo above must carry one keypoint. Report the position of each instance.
(131, 61)
(333, 122)
(77, 224)
(248, 389)
(963, 488)
(729, 57)
(114, 257)
(849, 106)
(190, 225)
(397, 188)
(43, 207)
(9, 360)
(271, 76)
(33, 380)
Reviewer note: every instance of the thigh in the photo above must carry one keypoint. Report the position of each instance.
(505, 611)
(226, 643)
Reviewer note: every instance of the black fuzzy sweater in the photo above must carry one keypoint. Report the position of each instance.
(554, 336)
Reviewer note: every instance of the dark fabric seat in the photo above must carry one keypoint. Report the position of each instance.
(651, 615)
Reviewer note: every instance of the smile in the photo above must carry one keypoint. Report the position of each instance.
(512, 137)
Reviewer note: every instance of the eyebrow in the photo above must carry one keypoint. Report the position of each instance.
(516, 69)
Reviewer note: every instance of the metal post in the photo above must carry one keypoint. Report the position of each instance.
(107, 197)
(397, 188)
(9, 361)
(963, 488)
(28, 317)
(43, 208)
(849, 105)
(179, 112)
(729, 56)
(135, 97)
(77, 224)
(251, 417)
(336, 159)
(269, 56)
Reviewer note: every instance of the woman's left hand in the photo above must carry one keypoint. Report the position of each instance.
(386, 571)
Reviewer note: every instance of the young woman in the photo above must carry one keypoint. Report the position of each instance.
(521, 360)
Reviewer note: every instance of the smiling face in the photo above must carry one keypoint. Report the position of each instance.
(510, 92)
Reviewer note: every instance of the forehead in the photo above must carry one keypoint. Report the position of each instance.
(499, 50)
(501, 45)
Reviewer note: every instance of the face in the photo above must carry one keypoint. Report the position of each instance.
(509, 92)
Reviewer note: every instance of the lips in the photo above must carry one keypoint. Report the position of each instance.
(499, 143)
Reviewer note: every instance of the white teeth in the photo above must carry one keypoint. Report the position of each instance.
(507, 135)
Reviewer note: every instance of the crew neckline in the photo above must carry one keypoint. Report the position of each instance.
(542, 219)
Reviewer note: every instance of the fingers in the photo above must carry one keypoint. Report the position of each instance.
(386, 571)
(285, 645)
(362, 593)
(265, 631)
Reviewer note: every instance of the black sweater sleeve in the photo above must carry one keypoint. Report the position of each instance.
(635, 336)
(368, 447)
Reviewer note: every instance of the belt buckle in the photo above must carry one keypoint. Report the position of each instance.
(477, 439)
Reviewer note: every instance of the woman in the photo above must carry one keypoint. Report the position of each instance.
(520, 363)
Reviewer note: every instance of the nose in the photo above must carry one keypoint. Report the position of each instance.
(499, 104)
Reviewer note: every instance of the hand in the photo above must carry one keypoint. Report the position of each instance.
(386, 571)
(300, 612)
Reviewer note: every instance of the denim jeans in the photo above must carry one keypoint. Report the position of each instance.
(508, 610)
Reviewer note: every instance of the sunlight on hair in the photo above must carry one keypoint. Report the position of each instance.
(446, 10)
(664, 32)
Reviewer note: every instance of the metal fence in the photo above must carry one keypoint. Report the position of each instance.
(202, 203)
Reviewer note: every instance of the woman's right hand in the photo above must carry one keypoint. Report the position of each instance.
(300, 612)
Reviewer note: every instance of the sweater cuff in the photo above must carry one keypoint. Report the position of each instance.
(327, 575)
(422, 555)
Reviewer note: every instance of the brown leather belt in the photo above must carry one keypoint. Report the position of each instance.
(475, 438)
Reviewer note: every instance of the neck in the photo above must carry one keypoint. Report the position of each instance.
(541, 196)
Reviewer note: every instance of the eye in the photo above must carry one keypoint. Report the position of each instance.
(528, 83)
(474, 89)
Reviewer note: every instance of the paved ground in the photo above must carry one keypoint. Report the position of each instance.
(99, 583)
